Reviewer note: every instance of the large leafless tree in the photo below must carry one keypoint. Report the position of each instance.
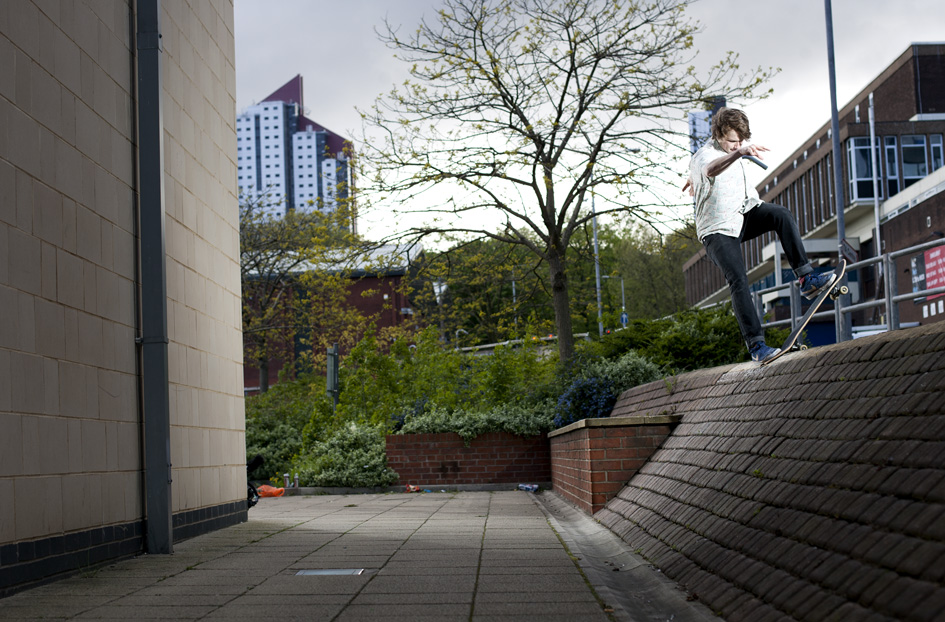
(520, 109)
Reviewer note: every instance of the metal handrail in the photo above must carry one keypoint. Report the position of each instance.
(890, 284)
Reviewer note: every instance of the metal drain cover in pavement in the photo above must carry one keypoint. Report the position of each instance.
(331, 571)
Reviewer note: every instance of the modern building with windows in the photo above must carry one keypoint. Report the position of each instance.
(287, 161)
(909, 123)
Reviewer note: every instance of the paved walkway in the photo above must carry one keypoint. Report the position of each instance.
(442, 556)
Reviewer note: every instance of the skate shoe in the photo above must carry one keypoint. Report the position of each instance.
(761, 352)
(813, 284)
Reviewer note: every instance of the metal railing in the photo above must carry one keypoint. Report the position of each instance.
(890, 301)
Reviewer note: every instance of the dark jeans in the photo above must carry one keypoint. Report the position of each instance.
(725, 251)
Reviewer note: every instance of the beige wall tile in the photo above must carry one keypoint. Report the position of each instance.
(38, 509)
(111, 446)
(7, 185)
(69, 285)
(75, 445)
(45, 445)
(129, 446)
(51, 394)
(8, 308)
(91, 347)
(113, 497)
(51, 338)
(47, 214)
(7, 511)
(89, 234)
(11, 442)
(24, 258)
(7, 78)
(27, 378)
(48, 271)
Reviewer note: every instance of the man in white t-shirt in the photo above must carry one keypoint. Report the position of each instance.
(729, 212)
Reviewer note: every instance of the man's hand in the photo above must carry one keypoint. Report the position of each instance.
(752, 150)
(688, 186)
(717, 166)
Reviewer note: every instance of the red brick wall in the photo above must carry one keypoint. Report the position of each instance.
(593, 459)
(494, 458)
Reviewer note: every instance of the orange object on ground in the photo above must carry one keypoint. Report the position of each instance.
(269, 491)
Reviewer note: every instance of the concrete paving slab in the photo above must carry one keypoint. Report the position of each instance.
(463, 555)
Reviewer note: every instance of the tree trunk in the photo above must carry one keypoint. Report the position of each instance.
(560, 301)
(263, 375)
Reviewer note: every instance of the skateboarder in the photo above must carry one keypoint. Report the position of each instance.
(729, 212)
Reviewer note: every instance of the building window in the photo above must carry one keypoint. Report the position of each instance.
(861, 168)
(892, 165)
(935, 147)
(914, 164)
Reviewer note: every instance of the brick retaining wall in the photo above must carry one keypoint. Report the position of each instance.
(494, 458)
(811, 489)
(592, 459)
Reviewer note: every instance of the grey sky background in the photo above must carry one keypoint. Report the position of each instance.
(334, 46)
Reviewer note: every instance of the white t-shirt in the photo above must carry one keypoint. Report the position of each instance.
(720, 201)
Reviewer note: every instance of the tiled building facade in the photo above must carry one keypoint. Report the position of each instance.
(909, 105)
(287, 161)
(72, 439)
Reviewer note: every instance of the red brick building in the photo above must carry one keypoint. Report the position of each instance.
(376, 289)
(909, 106)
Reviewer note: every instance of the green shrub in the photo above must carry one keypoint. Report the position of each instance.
(518, 419)
(689, 340)
(384, 388)
(586, 398)
(274, 423)
(627, 371)
(354, 456)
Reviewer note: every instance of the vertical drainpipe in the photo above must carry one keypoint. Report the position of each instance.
(153, 340)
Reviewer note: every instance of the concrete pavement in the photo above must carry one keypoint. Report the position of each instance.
(440, 556)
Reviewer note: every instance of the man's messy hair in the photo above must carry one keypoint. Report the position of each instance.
(727, 119)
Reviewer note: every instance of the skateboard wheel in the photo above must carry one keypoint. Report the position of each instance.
(803, 347)
(844, 290)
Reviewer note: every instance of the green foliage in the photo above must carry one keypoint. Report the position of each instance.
(354, 456)
(597, 382)
(274, 424)
(586, 398)
(625, 372)
(651, 265)
(693, 339)
(425, 387)
(518, 419)
(382, 388)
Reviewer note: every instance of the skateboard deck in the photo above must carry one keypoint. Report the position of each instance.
(834, 291)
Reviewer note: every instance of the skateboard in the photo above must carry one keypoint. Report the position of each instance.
(834, 291)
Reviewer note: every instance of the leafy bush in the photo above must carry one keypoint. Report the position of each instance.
(626, 372)
(354, 456)
(518, 419)
(586, 398)
(274, 423)
(693, 339)
(385, 388)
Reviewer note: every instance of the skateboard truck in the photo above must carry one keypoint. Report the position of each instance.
(791, 344)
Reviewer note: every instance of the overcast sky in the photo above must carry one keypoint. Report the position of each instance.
(334, 46)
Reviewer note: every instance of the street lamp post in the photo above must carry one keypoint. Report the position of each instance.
(600, 312)
(623, 300)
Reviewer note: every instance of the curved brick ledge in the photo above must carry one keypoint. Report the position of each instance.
(812, 489)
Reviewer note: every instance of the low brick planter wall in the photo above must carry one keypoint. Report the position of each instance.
(593, 459)
(494, 458)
